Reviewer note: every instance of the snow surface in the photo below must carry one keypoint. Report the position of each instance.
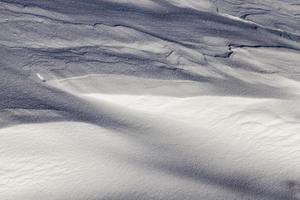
(149, 99)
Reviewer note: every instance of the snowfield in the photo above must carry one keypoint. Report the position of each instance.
(150, 100)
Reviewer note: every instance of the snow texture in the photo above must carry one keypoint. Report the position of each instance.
(149, 99)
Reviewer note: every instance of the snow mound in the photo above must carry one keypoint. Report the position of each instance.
(150, 99)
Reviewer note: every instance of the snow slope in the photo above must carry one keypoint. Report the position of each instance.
(149, 99)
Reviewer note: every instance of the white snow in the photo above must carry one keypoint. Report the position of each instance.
(166, 99)
(40, 77)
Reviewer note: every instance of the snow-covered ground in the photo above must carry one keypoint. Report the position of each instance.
(149, 99)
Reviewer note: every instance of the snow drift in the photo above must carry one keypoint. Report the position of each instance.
(150, 99)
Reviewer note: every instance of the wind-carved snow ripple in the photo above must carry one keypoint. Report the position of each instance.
(140, 100)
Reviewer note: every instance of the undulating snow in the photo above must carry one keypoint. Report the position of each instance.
(149, 99)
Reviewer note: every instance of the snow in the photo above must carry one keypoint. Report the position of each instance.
(166, 99)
